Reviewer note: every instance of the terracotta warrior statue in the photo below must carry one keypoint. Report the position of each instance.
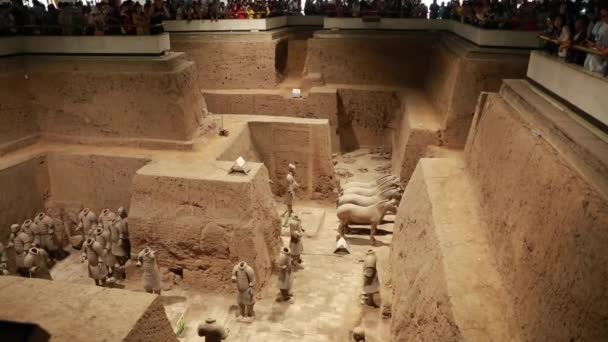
(295, 243)
(86, 220)
(285, 277)
(3, 260)
(23, 242)
(117, 231)
(10, 246)
(48, 239)
(105, 218)
(358, 335)
(37, 260)
(126, 243)
(244, 277)
(291, 186)
(151, 277)
(212, 331)
(93, 253)
(370, 279)
(104, 238)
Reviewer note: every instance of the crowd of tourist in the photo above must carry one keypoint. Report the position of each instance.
(570, 26)
(579, 39)
(131, 17)
(67, 18)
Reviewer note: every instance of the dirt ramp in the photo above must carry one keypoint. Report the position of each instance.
(71, 312)
(197, 216)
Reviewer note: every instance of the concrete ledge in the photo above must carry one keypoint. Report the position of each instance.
(86, 45)
(305, 20)
(479, 36)
(225, 25)
(579, 87)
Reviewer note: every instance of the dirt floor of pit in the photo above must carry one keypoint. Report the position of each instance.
(327, 292)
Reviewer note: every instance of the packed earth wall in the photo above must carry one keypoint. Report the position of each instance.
(546, 223)
(25, 187)
(459, 74)
(227, 60)
(17, 121)
(206, 221)
(306, 144)
(370, 58)
(73, 312)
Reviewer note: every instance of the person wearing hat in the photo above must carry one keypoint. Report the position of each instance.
(211, 331)
(290, 196)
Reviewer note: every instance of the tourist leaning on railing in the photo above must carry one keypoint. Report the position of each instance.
(588, 48)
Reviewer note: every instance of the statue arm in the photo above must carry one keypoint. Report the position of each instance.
(251, 276)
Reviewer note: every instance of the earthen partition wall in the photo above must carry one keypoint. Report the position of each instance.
(18, 125)
(546, 215)
(25, 187)
(137, 101)
(370, 58)
(85, 313)
(459, 73)
(196, 216)
(232, 60)
(307, 145)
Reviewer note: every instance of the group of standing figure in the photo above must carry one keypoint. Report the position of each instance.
(107, 248)
(32, 248)
(106, 245)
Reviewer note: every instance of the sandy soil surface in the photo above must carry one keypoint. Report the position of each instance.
(326, 292)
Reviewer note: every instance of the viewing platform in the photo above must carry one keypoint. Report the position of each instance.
(479, 36)
(154, 45)
(579, 87)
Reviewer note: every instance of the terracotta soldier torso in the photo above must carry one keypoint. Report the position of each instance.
(212, 331)
(295, 228)
(37, 262)
(151, 277)
(245, 281)
(370, 274)
(86, 219)
(93, 252)
(46, 231)
(284, 280)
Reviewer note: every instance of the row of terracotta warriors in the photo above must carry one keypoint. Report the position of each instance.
(34, 246)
